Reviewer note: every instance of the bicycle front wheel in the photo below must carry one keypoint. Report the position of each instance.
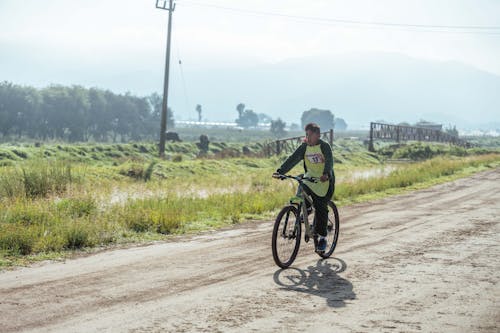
(286, 237)
(332, 230)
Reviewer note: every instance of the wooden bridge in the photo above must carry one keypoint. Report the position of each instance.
(290, 144)
(379, 131)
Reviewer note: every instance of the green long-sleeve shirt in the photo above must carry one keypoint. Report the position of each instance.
(299, 153)
(318, 161)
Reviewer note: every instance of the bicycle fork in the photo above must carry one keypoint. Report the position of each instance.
(309, 230)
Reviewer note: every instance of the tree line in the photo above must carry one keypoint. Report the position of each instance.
(78, 114)
(324, 118)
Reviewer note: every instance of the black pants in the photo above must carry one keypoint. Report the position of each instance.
(321, 207)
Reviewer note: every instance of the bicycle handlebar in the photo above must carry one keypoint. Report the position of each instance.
(297, 178)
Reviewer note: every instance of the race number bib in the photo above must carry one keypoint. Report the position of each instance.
(315, 158)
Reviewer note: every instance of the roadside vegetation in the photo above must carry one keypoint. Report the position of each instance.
(59, 198)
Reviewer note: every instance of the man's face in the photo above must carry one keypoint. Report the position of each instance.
(312, 138)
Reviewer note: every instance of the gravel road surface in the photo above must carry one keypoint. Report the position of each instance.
(426, 261)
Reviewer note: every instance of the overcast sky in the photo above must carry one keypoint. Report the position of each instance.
(218, 32)
(77, 42)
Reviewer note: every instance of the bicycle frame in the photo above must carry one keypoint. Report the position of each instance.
(304, 217)
(302, 206)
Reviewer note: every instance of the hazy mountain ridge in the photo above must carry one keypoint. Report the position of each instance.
(360, 88)
(357, 87)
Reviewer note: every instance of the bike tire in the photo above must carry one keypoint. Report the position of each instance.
(286, 237)
(332, 229)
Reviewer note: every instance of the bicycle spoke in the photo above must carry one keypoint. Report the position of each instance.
(332, 230)
(286, 237)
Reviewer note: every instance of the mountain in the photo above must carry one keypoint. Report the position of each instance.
(359, 88)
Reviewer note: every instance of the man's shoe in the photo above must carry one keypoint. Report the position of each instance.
(321, 245)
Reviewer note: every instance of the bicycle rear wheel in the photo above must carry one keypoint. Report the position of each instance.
(286, 237)
(332, 230)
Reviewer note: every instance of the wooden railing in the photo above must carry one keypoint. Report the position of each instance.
(289, 145)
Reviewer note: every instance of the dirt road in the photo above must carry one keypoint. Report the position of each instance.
(428, 261)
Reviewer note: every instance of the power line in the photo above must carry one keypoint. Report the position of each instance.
(474, 29)
(186, 98)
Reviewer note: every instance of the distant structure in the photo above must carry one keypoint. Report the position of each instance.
(218, 124)
(424, 132)
(428, 124)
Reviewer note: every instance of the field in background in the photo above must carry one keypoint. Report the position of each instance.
(56, 198)
(251, 136)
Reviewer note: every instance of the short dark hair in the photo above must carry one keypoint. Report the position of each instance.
(313, 127)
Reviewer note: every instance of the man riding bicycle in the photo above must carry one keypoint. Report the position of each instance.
(318, 163)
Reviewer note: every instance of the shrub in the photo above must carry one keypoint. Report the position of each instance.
(149, 171)
(49, 241)
(228, 153)
(7, 155)
(135, 171)
(36, 179)
(11, 185)
(17, 239)
(77, 207)
(137, 220)
(40, 179)
(26, 215)
(19, 153)
(154, 215)
(77, 236)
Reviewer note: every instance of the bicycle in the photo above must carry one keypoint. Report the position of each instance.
(287, 229)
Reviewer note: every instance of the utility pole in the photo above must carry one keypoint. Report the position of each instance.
(162, 4)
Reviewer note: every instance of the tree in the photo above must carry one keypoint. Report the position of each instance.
(340, 124)
(203, 144)
(99, 117)
(324, 118)
(56, 101)
(76, 113)
(18, 109)
(278, 127)
(198, 109)
(170, 117)
(248, 119)
(452, 131)
(264, 118)
(156, 101)
(240, 108)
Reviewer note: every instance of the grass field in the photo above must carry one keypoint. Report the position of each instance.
(58, 198)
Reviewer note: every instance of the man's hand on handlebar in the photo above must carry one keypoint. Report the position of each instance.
(277, 175)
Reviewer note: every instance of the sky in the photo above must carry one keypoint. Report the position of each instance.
(102, 42)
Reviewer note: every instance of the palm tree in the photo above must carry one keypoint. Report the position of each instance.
(240, 108)
(198, 109)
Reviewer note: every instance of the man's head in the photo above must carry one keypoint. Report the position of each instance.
(312, 133)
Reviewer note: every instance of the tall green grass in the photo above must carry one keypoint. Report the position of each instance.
(34, 179)
(411, 174)
(28, 226)
(34, 221)
(170, 214)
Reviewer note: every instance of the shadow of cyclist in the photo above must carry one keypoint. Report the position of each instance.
(320, 280)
